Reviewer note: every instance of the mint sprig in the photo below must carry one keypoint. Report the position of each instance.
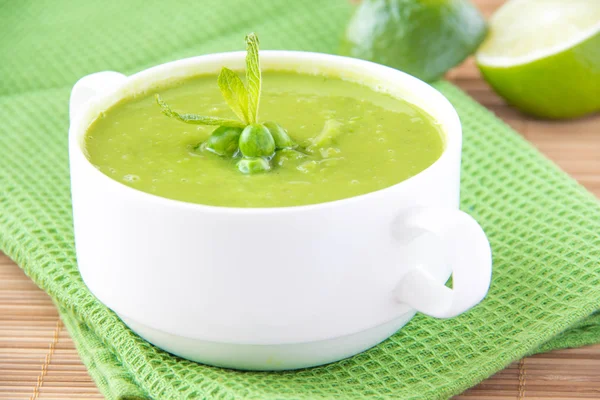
(256, 143)
(242, 101)
(253, 77)
(196, 119)
(234, 92)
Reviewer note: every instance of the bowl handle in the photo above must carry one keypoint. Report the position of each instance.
(467, 251)
(91, 85)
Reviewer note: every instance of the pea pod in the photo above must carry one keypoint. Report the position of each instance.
(280, 135)
(256, 141)
(223, 141)
(253, 165)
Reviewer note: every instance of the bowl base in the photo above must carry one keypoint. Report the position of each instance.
(269, 357)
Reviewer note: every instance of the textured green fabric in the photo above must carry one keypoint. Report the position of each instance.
(543, 227)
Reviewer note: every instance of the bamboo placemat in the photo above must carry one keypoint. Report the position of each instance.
(38, 359)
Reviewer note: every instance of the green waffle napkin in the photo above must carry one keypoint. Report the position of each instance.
(543, 227)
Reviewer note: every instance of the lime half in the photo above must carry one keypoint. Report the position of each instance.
(543, 56)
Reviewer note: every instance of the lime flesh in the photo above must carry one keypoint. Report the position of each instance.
(543, 56)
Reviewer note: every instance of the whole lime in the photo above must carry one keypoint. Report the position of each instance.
(424, 38)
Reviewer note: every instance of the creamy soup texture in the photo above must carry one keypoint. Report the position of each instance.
(380, 141)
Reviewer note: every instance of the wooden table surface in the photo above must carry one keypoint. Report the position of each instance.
(38, 359)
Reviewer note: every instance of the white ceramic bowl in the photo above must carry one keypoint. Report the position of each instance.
(342, 276)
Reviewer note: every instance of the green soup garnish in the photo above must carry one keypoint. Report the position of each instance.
(351, 140)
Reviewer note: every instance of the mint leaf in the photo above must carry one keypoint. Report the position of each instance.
(253, 77)
(234, 92)
(197, 119)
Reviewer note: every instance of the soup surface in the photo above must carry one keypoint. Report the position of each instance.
(379, 141)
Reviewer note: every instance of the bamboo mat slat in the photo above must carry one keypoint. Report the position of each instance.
(38, 360)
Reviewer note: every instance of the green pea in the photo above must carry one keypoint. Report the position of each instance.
(256, 141)
(253, 165)
(223, 141)
(280, 135)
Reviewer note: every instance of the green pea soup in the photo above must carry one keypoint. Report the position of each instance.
(372, 141)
